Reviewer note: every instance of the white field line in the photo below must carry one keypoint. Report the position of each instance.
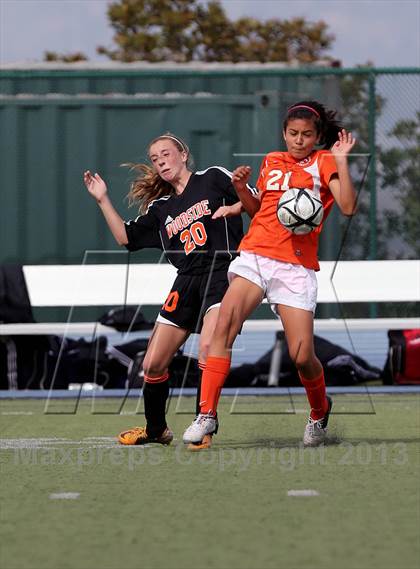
(17, 412)
(55, 443)
(302, 493)
(99, 439)
(64, 496)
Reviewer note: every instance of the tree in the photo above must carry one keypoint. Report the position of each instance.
(400, 176)
(397, 176)
(282, 40)
(188, 30)
(152, 30)
(215, 35)
(64, 58)
(354, 91)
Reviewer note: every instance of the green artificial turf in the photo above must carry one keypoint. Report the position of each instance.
(165, 507)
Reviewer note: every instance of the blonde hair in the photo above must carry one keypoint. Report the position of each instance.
(148, 185)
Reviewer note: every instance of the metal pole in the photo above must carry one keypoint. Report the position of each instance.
(275, 363)
(372, 179)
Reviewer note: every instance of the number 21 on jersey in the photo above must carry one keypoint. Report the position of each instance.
(273, 182)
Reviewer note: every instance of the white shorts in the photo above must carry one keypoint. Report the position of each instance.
(282, 283)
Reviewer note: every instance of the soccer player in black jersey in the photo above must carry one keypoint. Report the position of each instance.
(194, 217)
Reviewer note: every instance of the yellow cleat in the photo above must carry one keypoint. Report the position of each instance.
(205, 443)
(138, 436)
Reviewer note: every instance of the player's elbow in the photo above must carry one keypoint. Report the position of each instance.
(255, 209)
(121, 238)
(348, 209)
(120, 234)
(251, 205)
(251, 209)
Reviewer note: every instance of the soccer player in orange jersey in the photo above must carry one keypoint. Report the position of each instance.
(279, 265)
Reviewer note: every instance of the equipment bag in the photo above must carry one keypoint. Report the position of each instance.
(403, 362)
(341, 367)
(15, 305)
(126, 319)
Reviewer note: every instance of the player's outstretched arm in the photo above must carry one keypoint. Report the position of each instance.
(97, 188)
(342, 187)
(240, 178)
(228, 210)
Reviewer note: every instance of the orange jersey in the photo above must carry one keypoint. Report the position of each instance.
(280, 172)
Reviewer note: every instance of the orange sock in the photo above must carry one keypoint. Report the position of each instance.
(316, 394)
(214, 376)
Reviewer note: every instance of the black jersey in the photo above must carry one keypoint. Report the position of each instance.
(181, 225)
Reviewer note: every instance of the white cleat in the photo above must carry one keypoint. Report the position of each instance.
(316, 431)
(201, 426)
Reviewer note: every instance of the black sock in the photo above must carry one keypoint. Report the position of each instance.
(198, 397)
(155, 396)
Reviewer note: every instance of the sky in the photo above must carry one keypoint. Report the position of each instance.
(385, 32)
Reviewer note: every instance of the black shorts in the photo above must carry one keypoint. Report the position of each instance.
(190, 298)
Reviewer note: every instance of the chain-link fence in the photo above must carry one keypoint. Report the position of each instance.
(383, 108)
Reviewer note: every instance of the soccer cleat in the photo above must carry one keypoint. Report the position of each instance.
(205, 443)
(201, 426)
(316, 431)
(138, 436)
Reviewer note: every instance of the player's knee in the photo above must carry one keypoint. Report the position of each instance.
(301, 357)
(204, 350)
(152, 367)
(304, 364)
(227, 327)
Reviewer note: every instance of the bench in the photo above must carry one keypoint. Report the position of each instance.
(149, 284)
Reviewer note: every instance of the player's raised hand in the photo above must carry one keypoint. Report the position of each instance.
(344, 144)
(240, 177)
(95, 185)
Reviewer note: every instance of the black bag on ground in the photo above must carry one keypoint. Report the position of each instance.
(23, 361)
(22, 357)
(183, 371)
(341, 367)
(132, 355)
(124, 318)
(44, 362)
(82, 361)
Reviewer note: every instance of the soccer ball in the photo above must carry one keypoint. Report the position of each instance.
(300, 211)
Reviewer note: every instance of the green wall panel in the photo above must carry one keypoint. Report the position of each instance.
(47, 214)
(57, 123)
(155, 79)
(10, 200)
